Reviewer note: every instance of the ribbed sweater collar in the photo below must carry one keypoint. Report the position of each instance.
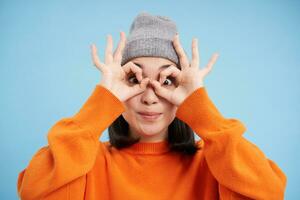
(148, 148)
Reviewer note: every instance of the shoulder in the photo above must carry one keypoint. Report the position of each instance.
(200, 143)
(104, 144)
(105, 151)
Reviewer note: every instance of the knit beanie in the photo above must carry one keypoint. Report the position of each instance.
(150, 35)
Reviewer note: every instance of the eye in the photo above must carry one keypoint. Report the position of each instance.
(132, 77)
(171, 80)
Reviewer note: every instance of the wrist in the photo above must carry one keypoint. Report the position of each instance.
(111, 91)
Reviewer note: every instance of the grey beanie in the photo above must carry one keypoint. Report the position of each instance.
(150, 35)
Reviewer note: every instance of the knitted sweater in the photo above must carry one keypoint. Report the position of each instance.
(75, 165)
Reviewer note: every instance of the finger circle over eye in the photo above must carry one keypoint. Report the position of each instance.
(170, 71)
(131, 67)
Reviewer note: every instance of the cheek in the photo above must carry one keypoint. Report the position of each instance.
(169, 113)
(129, 114)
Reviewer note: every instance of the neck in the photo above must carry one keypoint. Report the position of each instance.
(148, 148)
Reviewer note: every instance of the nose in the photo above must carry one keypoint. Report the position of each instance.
(149, 96)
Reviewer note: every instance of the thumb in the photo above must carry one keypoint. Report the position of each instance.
(163, 92)
(139, 88)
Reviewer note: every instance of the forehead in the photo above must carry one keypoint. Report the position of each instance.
(152, 63)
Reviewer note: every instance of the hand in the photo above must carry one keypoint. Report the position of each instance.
(189, 78)
(115, 76)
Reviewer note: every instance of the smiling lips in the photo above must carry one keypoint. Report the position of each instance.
(150, 115)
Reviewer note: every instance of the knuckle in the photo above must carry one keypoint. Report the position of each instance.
(173, 67)
(126, 65)
(163, 73)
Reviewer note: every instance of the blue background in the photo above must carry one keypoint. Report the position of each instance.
(47, 73)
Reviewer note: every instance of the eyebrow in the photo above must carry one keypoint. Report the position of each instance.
(161, 67)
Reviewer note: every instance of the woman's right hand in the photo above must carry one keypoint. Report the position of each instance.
(114, 76)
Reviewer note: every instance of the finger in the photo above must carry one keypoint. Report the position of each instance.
(136, 89)
(108, 51)
(144, 83)
(161, 91)
(195, 54)
(131, 67)
(95, 58)
(119, 51)
(183, 59)
(170, 71)
(210, 64)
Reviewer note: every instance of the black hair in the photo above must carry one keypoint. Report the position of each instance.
(180, 136)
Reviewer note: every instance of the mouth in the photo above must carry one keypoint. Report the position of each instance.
(150, 115)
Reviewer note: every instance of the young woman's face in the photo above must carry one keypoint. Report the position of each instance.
(150, 129)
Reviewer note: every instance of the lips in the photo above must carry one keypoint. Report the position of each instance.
(150, 115)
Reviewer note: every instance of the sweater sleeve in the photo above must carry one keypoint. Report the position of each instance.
(73, 144)
(240, 167)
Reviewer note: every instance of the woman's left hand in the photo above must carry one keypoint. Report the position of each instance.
(188, 79)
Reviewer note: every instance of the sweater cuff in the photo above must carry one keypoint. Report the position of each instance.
(199, 112)
(100, 109)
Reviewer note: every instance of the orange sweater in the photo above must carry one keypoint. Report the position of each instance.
(76, 165)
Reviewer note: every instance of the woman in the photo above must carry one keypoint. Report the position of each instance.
(152, 98)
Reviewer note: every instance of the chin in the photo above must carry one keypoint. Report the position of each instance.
(149, 129)
(149, 132)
